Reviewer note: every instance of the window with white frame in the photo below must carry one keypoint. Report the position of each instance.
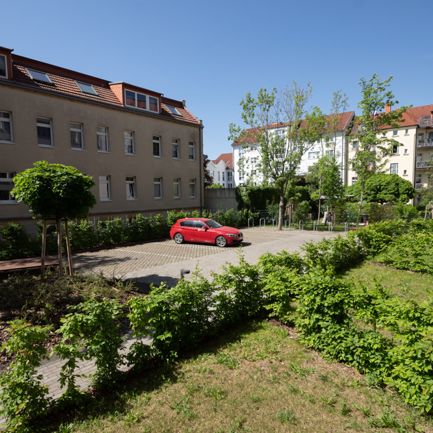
(131, 188)
(175, 149)
(229, 176)
(406, 152)
(404, 172)
(354, 180)
(406, 131)
(44, 130)
(141, 101)
(157, 187)
(355, 145)
(421, 137)
(395, 149)
(395, 132)
(223, 176)
(330, 153)
(6, 185)
(105, 188)
(192, 188)
(393, 168)
(156, 143)
(3, 67)
(191, 150)
(5, 127)
(76, 133)
(102, 142)
(129, 142)
(176, 187)
(313, 155)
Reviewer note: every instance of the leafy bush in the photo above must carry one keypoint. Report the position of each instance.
(15, 243)
(23, 397)
(83, 235)
(412, 252)
(91, 331)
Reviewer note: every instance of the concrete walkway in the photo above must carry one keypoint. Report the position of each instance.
(166, 262)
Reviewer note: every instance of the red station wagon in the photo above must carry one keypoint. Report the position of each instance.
(204, 230)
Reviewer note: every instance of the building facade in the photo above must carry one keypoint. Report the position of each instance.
(247, 159)
(222, 171)
(143, 150)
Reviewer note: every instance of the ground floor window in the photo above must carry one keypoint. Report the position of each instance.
(6, 185)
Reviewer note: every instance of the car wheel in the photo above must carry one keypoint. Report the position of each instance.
(178, 238)
(221, 241)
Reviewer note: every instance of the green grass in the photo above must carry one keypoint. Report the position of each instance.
(255, 379)
(407, 285)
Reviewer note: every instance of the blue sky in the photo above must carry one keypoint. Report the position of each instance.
(213, 52)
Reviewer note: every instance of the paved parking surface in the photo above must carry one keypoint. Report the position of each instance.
(163, 261)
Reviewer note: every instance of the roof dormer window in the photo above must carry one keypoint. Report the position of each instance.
(173, 110)
(141, 101)
(3, 67)
(39, 76)
(87, 88)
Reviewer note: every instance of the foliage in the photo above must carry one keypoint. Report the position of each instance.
(207, 178)
(54, 191)
(91, 331)
(373, 147)
(23, 397)
(15, 243)
(256, 197)
(413, 251)
(383, 188)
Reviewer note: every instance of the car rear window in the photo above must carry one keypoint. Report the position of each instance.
(187, 224)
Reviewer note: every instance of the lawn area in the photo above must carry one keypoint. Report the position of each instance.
(256, 379)
(407, 285)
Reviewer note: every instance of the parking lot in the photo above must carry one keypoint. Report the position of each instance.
(163, 260)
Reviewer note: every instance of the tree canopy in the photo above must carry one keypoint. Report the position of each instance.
(54, 191)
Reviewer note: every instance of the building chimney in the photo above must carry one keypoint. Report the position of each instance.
(388, 108)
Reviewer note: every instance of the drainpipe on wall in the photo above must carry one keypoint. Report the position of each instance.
(200, 145)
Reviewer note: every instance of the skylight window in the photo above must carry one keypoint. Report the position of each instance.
(173, 110)
(39, 76)
(87, 88)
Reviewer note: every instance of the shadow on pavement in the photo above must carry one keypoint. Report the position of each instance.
(144, 283)
(86, 262)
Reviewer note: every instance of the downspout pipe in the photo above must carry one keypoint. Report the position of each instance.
(201, 167)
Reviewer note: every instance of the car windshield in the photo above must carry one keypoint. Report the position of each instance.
(213, 224)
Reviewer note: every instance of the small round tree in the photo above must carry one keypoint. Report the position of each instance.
(54, 192)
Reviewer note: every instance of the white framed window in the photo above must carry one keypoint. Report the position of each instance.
(175, 148)
(330, 153)
(223, 176)
(87, 88)
(129, 142)
(6, 185)
(313, 155)
(176, 187)
(406, 131)
(39, 76)
(157, 187)
(102, 141)
(395, 149)
(141, 101)
(6, 127)
(406, 152)
(229, 176)
(191, 150)
(404, 172)
(421, 137)
(395, 132)
(3, 67)
(393, 168)
(354, 180)
(156, 146)
(76, 133)
(192, 188)
(44, 130)
(355, 145)
(105, 188)
(131, 188)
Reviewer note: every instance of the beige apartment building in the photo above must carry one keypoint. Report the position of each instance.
(143, 150)
(412, 159)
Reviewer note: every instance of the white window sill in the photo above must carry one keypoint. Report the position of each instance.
(157, 156)
(157, 198)
(79, 149)
(46, 146)
(103, 151)
(129, 154)
(131, 198)
(103, 200)
(6, 142)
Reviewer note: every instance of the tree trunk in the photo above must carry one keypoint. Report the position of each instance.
(59, 246)
(281, 212)
(318, 211)
(68, 249)
(43, 247)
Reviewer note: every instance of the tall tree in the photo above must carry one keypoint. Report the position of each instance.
(326, 183)
(207, 178)
(376, 115)
(283, 131)
(54, 192)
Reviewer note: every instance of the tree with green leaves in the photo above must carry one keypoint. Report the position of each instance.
(325, 182)
(54, 192)
(283, 131)
(376, 115)
(384, 188)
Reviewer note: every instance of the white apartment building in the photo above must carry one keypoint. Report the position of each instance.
(247, 159)
(221, 170)
(413, 158)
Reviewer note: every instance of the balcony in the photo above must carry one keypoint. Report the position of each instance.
(425, 143)
(424, 164)
(426, 122)
(418, 185)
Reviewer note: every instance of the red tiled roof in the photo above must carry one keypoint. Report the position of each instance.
(412, 116)
(64, 83)
(249, 136)
(227, 158)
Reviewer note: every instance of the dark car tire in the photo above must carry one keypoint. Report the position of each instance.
(221, 241)
(178, 238)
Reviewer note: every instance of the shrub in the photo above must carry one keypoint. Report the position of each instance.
(15, 243)
(83, 235)
(91, 331)
(110, 232)
(23, 397)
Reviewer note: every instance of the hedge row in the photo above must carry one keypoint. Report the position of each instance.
(86, 235)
